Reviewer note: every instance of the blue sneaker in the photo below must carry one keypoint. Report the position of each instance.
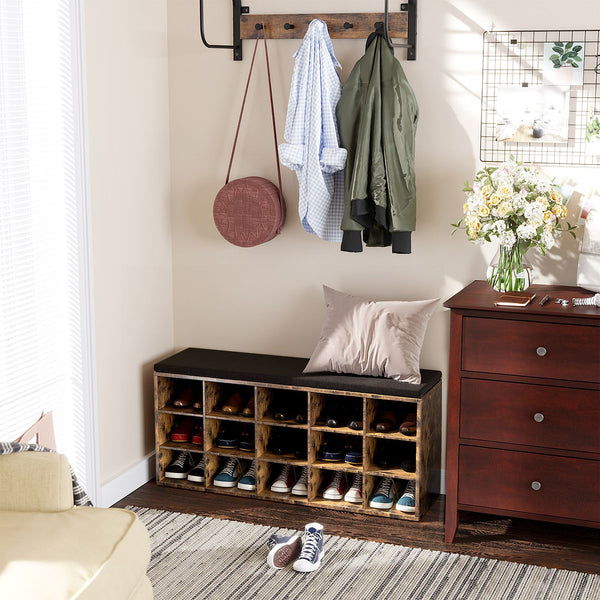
(229, 474)
(406, 502)
(312, 549)
(283, 550)
(384, 495)
(248, 481)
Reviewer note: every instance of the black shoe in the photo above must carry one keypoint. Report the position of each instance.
(384, 456)
(331, 451)
(278, 443)
(247, 439)
(180, 466)
(229, 437)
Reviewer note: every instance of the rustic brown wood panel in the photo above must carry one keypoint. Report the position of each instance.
(362, 25)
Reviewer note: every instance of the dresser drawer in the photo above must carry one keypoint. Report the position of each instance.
(535, 349)
(532, 415)
(529, 483)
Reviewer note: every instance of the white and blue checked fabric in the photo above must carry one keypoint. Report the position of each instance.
(312, 147)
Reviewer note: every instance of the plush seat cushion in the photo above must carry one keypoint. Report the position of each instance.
(42, 555)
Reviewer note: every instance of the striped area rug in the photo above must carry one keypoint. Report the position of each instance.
(195, 557)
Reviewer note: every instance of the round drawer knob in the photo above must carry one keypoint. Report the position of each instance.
(538, 417)
(536, 485)
(541, 351)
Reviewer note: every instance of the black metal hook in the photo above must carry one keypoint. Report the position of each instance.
(238, 9)
(348, 25)
(411, 44)
(289, 26)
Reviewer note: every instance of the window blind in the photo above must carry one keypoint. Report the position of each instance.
(45, 313)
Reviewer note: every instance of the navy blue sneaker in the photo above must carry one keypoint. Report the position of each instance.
(228, 438)
(312, 549)
(283, 550)
(331, 452)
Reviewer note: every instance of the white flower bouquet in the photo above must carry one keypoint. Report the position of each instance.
(522, 209)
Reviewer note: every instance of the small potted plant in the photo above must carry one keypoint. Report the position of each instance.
(566, 54)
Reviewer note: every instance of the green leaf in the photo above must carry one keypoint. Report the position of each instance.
(569, 45)
(557, 48)
(554, 57)
(577, 48)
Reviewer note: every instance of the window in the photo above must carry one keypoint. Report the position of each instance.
(45, 299)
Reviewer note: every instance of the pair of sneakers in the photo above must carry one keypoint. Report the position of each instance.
(304, 552)
(185, 467)
(386, 492)
(231, 475)
(338, 489)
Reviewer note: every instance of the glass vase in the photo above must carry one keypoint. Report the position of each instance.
(509, 270)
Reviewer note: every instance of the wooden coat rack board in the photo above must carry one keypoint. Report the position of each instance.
(399, 25)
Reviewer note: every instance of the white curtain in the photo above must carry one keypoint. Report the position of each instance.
(45, 300)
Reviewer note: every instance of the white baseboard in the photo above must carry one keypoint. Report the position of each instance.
(120, 486)
(443, 482)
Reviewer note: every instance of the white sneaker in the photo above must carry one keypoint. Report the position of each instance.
(301, 486)
(336, 487)
(312, 549)
(354, 494)
(284, 481)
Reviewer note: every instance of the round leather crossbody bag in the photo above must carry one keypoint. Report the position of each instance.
(251, 210)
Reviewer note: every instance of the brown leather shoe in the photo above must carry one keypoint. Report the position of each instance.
(409, 425)
(185, 399)
(234, 404)
(386, 421)
(249, 408)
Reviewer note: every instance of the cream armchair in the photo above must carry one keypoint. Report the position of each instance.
(51, 550)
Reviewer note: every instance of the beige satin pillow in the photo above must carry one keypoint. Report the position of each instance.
(381, 339)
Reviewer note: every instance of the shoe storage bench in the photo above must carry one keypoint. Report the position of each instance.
(273, 381)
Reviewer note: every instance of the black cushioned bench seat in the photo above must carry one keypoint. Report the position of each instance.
(284, 370)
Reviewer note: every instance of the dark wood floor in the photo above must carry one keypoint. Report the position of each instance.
(518, 540)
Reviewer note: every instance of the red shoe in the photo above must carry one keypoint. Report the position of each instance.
(198, 435)
(183, 431)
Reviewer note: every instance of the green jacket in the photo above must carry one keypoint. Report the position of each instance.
(377, 120)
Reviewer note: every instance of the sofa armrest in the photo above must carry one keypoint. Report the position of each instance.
(35, 482)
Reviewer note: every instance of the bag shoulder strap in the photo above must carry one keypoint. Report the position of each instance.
(237, 131)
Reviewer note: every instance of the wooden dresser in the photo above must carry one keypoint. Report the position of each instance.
(523, 437)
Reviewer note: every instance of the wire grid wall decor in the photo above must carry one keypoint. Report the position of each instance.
(522, 95)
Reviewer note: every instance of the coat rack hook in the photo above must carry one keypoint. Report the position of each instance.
(238, 9)
(348, 25)
(289, 26)
(411, 43)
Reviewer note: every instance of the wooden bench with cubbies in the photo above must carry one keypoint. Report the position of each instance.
(285, 422)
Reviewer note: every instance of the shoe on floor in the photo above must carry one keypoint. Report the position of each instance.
(384, 495)
(301, 486)
(312, 549)
(354, 494)
(285, 480)
(197, 473)
(229, 475)
(248, 481)
(336, 487)
(180, 466)
(406, 502)
(283, 550)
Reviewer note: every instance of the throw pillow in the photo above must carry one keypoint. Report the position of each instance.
(381, 339)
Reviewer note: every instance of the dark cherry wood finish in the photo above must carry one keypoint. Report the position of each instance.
(523, 435)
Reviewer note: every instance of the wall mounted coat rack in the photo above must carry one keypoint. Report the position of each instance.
(402, 25)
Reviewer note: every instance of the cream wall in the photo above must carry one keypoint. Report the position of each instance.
(126, 46)
(268, 299)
